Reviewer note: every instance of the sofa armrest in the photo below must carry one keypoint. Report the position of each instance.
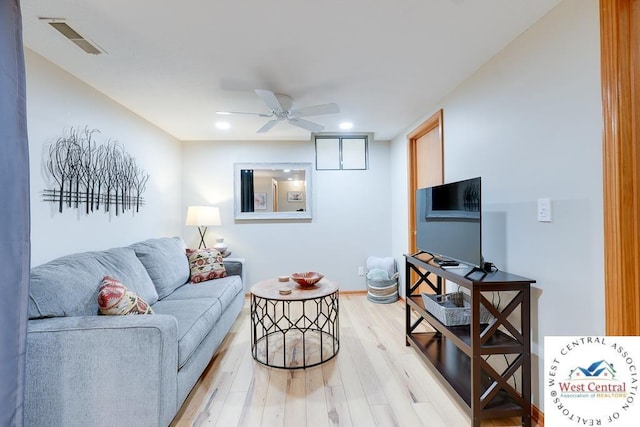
(235, 267)
(101, 370)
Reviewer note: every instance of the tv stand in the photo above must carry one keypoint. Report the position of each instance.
(460, 355)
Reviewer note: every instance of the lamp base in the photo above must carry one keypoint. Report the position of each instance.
(202, 231)
(220, 245)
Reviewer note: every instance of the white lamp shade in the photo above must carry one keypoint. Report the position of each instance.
(203, 216)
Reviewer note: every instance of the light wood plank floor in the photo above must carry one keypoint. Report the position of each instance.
(375, 380)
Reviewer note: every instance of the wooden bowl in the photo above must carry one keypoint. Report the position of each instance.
(307, 278)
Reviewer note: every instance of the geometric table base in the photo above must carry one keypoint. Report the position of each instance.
(297, 333)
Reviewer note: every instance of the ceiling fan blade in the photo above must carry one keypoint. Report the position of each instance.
(305, 124)
(270, 99)
(224, 113)
(316, 110)
(267, 126)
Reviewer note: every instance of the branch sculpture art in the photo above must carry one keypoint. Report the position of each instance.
(96, 175)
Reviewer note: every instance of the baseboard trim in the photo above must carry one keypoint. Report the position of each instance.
(352, 292)
(248, 295)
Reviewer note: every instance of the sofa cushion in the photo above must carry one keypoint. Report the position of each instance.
(165, 261)
(223, 289)
(114, 298)
(196, 318)
(205, 264)
(68, 286)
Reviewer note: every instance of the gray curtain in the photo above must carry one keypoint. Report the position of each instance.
(14, 215)
(246, 190)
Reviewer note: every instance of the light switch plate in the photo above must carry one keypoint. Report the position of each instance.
(544, 210)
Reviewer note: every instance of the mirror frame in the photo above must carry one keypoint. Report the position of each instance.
(239, 215)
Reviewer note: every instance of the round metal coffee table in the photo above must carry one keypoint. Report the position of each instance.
(294, 331)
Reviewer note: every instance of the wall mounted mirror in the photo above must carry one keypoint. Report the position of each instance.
(272, 190)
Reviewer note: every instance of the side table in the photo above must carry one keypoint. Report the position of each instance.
(294, 331)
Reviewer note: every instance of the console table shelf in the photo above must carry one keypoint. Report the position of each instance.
(460, 355)
(498, 343)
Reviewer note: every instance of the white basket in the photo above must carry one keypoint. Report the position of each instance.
(443, 309)
(383, 299)
(382, 291)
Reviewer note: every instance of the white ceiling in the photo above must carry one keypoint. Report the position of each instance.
(385, 63)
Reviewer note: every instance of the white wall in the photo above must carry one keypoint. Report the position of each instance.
(351, 211)
(57, 101)
(529, 122)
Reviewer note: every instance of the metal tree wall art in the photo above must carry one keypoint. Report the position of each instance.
(94, 175)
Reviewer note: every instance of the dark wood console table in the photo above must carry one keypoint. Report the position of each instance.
(461, 354)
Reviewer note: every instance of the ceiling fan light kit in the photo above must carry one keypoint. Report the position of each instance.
(281, 108)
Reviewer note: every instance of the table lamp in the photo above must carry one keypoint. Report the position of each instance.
(203, 216)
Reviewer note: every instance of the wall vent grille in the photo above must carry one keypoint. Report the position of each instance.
(63, 28)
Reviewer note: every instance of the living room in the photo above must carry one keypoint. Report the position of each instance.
(529, 121)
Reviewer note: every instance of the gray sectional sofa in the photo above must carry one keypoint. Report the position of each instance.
(85, 369)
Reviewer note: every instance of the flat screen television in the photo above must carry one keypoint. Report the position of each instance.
(449, 221)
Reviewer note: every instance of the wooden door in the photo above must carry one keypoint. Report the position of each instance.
(274, 191)
(426, 168)
(426, 164)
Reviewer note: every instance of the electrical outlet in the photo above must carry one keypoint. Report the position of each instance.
(360, 271)
(544, 210)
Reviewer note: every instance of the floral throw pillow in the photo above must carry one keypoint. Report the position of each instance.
(205, 264)
(115, 298)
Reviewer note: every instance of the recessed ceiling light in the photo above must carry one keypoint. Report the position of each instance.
(223, 113)
(346, 125)
(223, 125)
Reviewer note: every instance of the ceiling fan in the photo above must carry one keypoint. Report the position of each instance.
(281, 108)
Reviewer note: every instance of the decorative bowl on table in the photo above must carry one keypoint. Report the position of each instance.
(308, 278)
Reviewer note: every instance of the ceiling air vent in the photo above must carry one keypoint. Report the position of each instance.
(63, 28)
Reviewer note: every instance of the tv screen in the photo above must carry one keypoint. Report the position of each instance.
(448, 221)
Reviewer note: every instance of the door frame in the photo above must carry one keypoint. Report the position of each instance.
(620, 62)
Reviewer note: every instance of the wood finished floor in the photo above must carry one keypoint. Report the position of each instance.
(375, 380)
